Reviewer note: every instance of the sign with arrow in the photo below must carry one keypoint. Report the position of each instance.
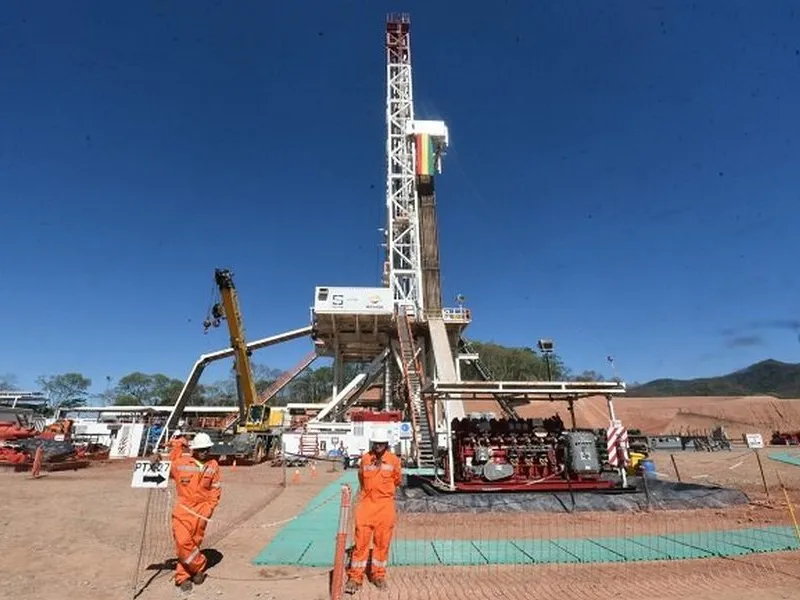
(150, 475)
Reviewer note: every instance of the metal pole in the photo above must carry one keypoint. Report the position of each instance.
(337, 369)
(449, 443)
(571, 405)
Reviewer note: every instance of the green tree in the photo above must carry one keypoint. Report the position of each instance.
(134, 389)
(313, 385)
(514, 364)
(264, 377)
(66, 390)
(588, 376)
(143, 389)
(221, 393)
(8, 381)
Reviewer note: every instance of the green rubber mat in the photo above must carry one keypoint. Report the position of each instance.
(786, 457)
(309, 541)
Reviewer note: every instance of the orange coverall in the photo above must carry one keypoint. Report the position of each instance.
(177, 446)
(374, 514)
(197, 486)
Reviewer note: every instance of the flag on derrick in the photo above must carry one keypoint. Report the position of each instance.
(426, 154)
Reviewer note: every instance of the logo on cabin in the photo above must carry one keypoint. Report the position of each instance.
(374, 299)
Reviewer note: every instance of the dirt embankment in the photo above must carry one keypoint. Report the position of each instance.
(739, 415)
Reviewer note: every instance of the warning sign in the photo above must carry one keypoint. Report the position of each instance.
(754, 440)
(150, 475)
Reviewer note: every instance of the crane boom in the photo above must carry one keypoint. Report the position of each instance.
(245, 381)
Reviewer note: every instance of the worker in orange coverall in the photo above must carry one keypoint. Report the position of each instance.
(378, 476)
(197, 486)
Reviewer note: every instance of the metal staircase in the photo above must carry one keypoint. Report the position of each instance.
(412, 374)
(485, 373)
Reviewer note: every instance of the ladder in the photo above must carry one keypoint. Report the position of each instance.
(412, 373)
(309, 444)
(286, 377)
(230, 422)
(486, 374)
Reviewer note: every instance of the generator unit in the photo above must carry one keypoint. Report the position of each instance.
(524, 455)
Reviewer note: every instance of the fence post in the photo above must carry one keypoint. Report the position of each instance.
(339, 557)
(142, 541)
(761, 469)
(675, 466)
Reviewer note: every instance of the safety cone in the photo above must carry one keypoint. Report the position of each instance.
(313, 470)
(296, 476)
(233, 466)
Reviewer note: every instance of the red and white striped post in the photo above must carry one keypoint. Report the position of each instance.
(340, 554)
(617, 443)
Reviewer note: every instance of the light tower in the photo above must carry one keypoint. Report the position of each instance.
(403, 266)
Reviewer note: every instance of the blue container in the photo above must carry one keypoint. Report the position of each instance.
(648, 468)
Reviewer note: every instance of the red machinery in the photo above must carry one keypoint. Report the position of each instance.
(387, 416)
(524, 455)
(18, 444)
(784, 438)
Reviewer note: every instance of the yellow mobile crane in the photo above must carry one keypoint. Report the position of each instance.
(257, 426)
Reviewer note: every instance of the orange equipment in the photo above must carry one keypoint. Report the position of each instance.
(378, 479)
(197, 486)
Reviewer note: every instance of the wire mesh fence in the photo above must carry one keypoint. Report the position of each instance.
(256, 487)
(703, 522)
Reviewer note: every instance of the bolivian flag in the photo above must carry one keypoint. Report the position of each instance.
(426, 157)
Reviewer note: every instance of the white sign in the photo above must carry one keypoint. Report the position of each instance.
(150, 475)
(405, 431)
(354, 300)
(128, 441)
(754, 440)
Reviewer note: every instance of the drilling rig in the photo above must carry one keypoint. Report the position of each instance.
(402, 330)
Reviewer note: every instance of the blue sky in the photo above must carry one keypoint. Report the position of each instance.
(622, 177)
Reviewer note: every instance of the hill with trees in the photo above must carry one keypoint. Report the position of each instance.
(766, 378)
(313, 385)
(769, 377)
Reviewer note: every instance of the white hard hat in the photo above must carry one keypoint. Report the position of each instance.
(176, 433)
(200, 442)
(379, 436)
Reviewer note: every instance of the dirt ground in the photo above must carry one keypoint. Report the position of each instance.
(78, 534)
